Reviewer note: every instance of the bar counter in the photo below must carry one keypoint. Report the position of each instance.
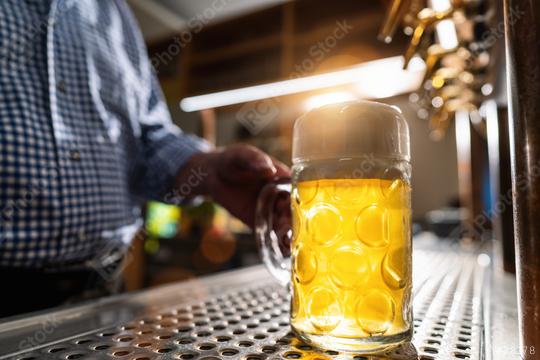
(463, 309)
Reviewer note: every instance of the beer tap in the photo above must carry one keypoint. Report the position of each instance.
(434, 54)
(438, 123)
(395, 13)
(448, 99)
(427, 18)
(446, 75)
(455, 65)
(444, 111)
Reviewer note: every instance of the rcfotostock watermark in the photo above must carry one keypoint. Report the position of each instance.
(180, 41)
(493, 34)
(185, 190)
(42, 335)
(422, 101)
(481, 222)
(257, 115)
(26, 198)
(367, 163)
(317, 52)
(23, 44)
(114, 257)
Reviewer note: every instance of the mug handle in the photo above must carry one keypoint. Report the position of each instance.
(275, 255)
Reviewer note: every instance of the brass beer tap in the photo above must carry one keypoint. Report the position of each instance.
(427, 18)
(395, 13)
(455, 65)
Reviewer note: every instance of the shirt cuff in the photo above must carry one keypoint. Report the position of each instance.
(163, 166)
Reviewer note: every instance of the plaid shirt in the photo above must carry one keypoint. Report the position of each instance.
(85, 135)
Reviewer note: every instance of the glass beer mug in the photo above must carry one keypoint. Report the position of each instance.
(350, 269)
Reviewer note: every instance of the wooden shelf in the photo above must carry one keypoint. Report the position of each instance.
(274, 43)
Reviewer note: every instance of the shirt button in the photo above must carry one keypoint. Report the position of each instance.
(61, 86)
(75, 155)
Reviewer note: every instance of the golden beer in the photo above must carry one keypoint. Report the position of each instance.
(351, 272)
(351, 266)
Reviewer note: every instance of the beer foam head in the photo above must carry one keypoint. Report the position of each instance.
(351, 129)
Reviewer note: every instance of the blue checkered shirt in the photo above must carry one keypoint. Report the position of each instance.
(85, 135)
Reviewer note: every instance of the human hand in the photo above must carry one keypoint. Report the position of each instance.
(233, 177)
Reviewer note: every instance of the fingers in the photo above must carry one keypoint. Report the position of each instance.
(282, 170)
(244, 163)
(262, 165)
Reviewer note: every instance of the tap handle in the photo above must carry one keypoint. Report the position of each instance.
(426, 18)
(395, 13)
(434, 54)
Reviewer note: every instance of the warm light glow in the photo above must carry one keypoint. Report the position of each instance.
(483, 260)
(446, 29)
(391, 81)
(487, 89)
(490, 112)
(447, 35)
(374, 79)
(463, 140)
(440, 5)
(327, 99)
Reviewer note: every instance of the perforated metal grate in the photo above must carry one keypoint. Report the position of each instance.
(252, 324)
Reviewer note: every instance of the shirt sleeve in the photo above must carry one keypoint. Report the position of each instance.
(164, 147)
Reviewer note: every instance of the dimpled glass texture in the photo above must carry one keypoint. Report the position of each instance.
(351, 274)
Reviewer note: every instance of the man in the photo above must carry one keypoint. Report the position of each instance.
(85, 137)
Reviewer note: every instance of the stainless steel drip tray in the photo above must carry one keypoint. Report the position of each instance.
(244, 315)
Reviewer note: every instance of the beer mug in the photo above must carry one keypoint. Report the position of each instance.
(350, 270)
